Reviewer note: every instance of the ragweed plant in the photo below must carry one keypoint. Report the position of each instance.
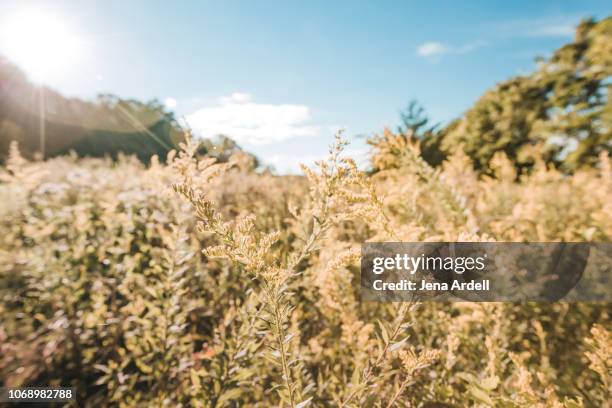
(244, 246)
(338, 192)
(243, 288)
(600, 359)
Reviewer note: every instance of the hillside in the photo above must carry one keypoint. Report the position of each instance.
(107, 126)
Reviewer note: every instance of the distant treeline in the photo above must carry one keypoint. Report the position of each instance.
(107, 126)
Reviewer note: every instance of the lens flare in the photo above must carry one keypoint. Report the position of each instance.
(40, 43)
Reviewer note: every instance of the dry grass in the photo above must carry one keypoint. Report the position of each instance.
(203, 284)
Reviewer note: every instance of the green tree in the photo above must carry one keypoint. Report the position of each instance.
(416, 124)
(563, 106)
(128, 127)
(107, 126)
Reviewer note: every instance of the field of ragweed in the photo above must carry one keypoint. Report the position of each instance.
(201, 284)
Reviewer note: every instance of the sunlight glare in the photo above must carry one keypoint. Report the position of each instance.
(40, 43)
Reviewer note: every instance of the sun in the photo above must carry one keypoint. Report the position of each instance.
(39, 42)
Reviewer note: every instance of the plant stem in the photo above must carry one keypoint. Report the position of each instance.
(369, 370)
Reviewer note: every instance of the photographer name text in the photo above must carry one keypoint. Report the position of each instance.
(406, 285)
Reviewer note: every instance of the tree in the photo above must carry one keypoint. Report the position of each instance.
(128, 127)
(223, 148)
(563, 107)
(107, 126)
(416, 124)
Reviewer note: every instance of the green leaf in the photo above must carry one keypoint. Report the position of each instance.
(356, 376)
(572, 403)
(481, 396)
(143, 367)
(243, 374)
(489, 383)
(288, 338)
(229, 395)
(304, 403)
(195, 380)
(384, 332)
(467, 377)
(397, 345)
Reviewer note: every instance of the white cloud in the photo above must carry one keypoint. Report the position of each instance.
(170, 103)
(435, 50)
(550, 26)
(236, 97)
(555, 26)
(246, 121)
(286, 163)
(431, 49)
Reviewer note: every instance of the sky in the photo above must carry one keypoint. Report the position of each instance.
(281, 77)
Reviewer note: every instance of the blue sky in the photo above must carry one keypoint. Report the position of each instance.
(281, 76)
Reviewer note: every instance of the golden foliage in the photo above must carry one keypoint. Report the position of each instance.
(205, 284)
